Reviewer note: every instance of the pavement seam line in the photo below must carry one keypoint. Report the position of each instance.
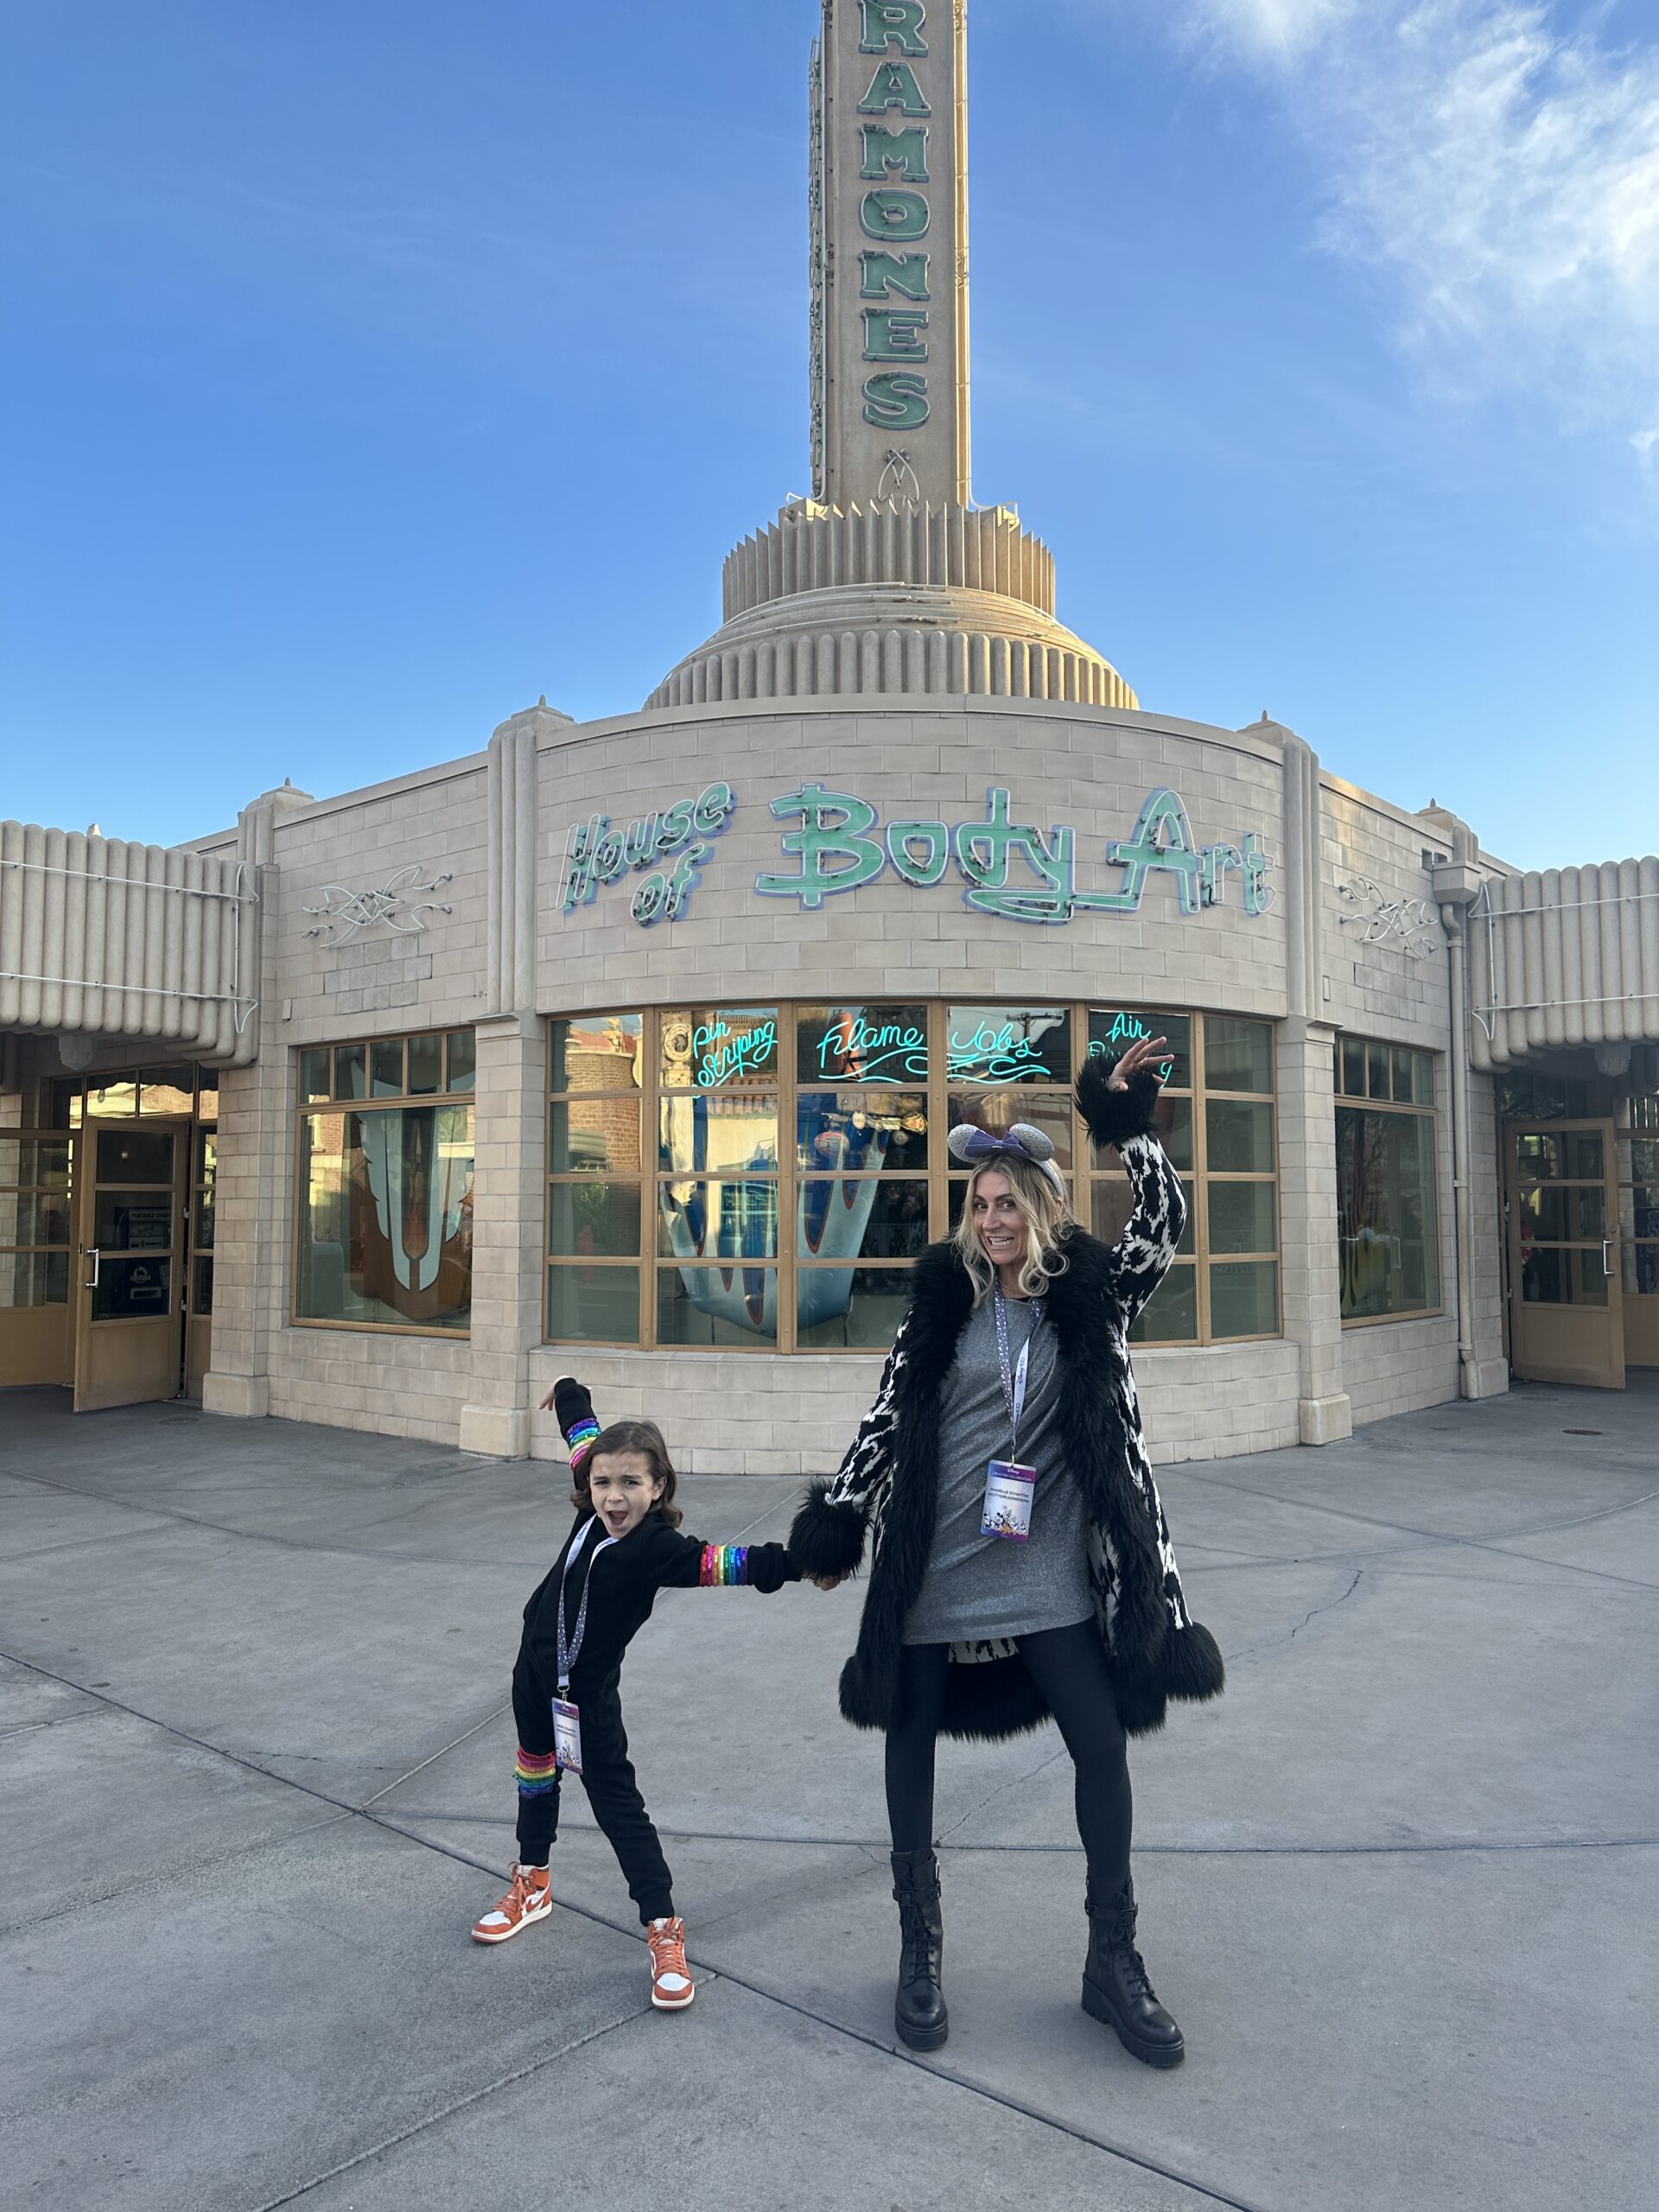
(1428, 1538)
(434, 2119)
(171, 1513)
(807, 1843)
(466, 1735)
(877, 1847)
(852, 2035)
(1405, 1528)
(159, 1876)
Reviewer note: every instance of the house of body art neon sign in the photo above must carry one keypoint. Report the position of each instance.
(1009, 868)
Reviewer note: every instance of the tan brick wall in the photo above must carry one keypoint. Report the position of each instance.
(1088, 768)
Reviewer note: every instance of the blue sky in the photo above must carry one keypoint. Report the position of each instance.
(368, 371)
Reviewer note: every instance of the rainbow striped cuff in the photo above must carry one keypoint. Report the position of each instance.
(581, 1439)
(539, 1772)
(724, 1566)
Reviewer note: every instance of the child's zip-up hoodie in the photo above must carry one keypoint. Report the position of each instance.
(626, 1576)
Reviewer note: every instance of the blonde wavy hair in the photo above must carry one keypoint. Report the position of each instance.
(1047, 1216)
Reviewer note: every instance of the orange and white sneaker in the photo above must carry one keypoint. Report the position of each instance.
(530, 1897)
(671, 1986)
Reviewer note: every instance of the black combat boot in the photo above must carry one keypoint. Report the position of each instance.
(919, 2013)
(1116, 1989)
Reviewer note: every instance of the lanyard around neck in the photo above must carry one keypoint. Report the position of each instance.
(1013, 1378)
(569, 1653)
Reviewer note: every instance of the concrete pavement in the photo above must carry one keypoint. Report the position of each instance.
(1399, 1884)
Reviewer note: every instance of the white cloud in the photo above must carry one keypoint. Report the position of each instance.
(1501, 165)
(1272, 26)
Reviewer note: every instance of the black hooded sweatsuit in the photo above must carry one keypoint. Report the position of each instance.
(625, 1579)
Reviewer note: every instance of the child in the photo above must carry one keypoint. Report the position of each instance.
(566, 1686)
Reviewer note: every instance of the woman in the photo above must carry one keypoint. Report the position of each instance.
(1006, 1399)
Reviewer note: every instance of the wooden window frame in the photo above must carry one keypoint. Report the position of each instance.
(1363, 1102)
(306, 1108)
(648, 1092)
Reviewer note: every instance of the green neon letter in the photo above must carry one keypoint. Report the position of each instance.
(894, 215)
(886, 274)
(895, 402)
(894, 85)
(895, 153)
(835, 853)
(893, 23)
(895, 335)
(1162, 839)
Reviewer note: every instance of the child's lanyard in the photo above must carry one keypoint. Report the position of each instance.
(569, 1653)
(1013, 1378)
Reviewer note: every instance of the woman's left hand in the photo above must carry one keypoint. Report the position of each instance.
(1142, 1057)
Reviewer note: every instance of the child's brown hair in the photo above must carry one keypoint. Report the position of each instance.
(644, 1437)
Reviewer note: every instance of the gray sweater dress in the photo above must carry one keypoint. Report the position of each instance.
(979, 1586)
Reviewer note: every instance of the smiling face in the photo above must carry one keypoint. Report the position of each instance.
(623, 1489)
(998, 1221)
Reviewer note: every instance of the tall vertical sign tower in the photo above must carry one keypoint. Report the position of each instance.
(888, 579)
(889, 190)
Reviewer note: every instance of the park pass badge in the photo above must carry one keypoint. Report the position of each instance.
(1010, 1488)
(566, 1737)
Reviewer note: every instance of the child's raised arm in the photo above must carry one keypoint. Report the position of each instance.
(673, 1562)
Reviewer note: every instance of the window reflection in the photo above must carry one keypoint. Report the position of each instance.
(386, 1217)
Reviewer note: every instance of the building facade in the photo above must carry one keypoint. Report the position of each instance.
(631, 1046)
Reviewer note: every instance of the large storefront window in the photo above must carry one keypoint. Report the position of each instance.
(384, 1176)
(760, 1178)
(1638, 1147)
(34, 1220)
(1387, 1215)
(1220, 1134)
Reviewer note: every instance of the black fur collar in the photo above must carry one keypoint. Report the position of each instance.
(942, 1300)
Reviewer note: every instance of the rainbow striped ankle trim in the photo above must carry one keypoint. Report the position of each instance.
(581, 1439)
(724, 1566)
(539, 1772)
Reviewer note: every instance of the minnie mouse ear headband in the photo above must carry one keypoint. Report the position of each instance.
(980, 1148)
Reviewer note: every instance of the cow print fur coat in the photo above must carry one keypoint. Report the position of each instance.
(887, 1487)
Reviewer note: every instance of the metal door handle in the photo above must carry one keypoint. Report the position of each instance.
(1606, 1255)
(94, 1255)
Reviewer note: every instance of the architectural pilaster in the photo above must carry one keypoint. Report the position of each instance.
(509, 1109)
(254, 1184)
(1307, 1124)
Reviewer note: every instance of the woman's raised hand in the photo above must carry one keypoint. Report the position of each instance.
(1139, 1058)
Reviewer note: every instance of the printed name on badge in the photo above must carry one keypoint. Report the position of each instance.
(1009, 1490)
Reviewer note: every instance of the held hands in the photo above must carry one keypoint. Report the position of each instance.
(1142, 1057)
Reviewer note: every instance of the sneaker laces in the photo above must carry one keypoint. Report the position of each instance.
(667, 1950)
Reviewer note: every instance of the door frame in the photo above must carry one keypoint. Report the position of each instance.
(143, 1382)
(1587, 1356)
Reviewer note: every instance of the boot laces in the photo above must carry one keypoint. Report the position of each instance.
(915, 1944)
(1134, 1972)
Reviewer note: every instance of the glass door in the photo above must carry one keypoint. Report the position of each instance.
(130, 1345)
(36, 1198)
(1566, 1322)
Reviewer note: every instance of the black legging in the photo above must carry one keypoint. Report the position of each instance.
(1069, 1667)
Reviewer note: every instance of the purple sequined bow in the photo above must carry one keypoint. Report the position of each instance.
(975, 1148)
